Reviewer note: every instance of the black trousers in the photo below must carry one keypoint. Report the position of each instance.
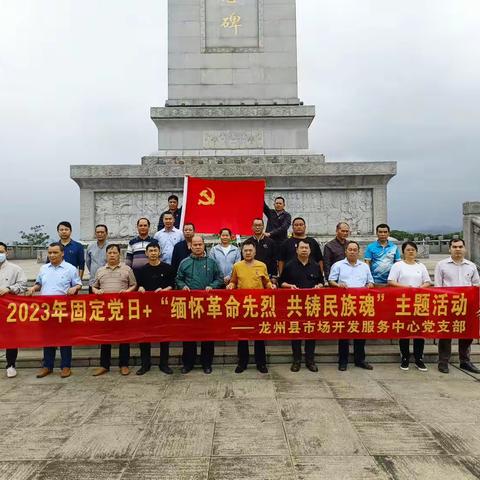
(418, 345)
(309, 351)
(258, 349)
(445, 349)
(189, 354)
(106, 355)
(146, 354)
(11, 356)
(358, 351)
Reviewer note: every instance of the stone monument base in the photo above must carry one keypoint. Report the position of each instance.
(324, 193)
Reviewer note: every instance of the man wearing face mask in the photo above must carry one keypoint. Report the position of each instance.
(12, 281)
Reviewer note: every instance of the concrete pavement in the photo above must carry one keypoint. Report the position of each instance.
(383, 424)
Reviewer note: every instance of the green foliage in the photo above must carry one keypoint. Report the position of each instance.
(401, 235)
(36, 236)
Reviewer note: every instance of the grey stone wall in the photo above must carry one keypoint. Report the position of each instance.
(229, 52)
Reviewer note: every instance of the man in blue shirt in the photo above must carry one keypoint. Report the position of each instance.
(56, 278)
(351, 273)
(381, 255)
(73, 251)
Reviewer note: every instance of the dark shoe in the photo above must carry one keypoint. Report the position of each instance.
(186, 369)
(295, 367)
(142, 370)
(207, 370)
(44, 372)
(469, 367)
(419, 365)
(165, 369)
(342, 367)
(404, 364)
(240, 368)
(262, 368)
(364, 365)
(443, 367)
(312, 367)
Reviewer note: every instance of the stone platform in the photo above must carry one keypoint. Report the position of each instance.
(378, 425)
(378, 352)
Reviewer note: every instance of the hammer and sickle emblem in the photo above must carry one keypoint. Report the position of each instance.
(207, 197)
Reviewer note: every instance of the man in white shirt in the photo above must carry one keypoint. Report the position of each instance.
(12, 281)
(456, 271)
(351, 273)
(168, 237)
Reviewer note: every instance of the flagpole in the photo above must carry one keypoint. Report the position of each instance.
(185, 190)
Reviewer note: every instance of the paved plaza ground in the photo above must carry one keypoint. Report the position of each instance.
(383, 424)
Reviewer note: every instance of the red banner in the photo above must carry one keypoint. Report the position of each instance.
(239, 315)
(214, 204)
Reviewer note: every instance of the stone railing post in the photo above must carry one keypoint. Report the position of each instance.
(471, 230)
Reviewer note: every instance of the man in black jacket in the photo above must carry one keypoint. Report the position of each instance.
(174, 210)
(279, 220)
(183, 249)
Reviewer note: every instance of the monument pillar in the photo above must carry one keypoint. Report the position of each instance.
(233, 112)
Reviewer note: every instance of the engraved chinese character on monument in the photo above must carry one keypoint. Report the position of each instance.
(232, 25)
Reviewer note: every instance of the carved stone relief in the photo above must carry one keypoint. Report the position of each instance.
(323, 209)
(120, 211)
(235, 139)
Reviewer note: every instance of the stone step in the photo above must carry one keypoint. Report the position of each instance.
(227, 354)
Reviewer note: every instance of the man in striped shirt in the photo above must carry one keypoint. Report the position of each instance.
(136, 256)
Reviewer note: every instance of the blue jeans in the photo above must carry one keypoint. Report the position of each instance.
(49, 357)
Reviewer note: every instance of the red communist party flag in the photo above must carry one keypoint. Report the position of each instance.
(213, 204)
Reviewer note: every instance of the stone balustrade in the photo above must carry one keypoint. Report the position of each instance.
(471, 230)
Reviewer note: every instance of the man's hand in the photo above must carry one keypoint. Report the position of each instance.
(319, 285)
(72, 291)
(97, 291)
(208, 288)
(230, 286)
(142, 290)
(186, 288)
(4, 291)
(343, 285)
(370, 285)
(30, 291)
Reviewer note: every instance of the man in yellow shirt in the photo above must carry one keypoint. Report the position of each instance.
(250, 274)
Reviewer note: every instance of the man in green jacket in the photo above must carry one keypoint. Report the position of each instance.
(198, 272)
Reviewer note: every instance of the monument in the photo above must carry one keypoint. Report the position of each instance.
(233, 112)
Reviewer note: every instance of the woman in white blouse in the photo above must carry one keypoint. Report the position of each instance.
(410, 273)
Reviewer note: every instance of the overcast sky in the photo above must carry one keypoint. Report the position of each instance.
(396, 81)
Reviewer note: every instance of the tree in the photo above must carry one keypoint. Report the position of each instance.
(36, 236)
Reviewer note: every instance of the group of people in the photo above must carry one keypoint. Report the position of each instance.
(269, 259)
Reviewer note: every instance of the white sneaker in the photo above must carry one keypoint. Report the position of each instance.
(11, 372)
